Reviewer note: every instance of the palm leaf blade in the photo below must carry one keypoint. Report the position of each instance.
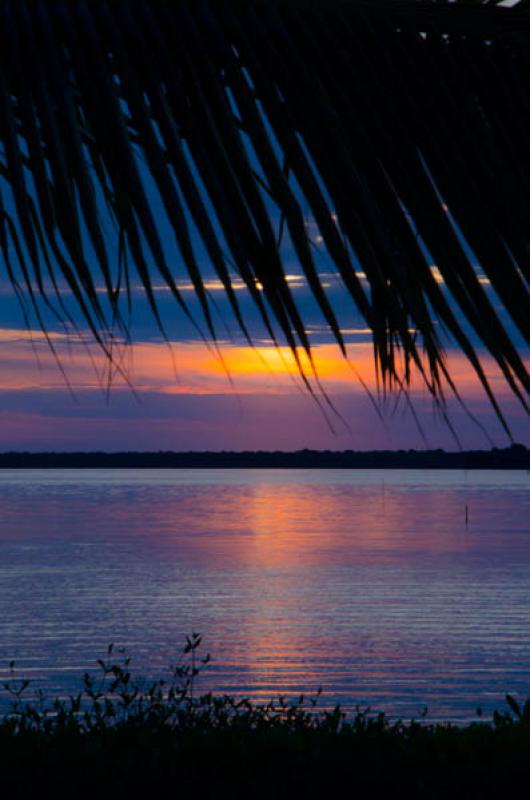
(402, 126)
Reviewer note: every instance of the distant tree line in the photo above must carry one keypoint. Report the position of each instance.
(515, 457)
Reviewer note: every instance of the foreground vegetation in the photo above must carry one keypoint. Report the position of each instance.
(122, 733)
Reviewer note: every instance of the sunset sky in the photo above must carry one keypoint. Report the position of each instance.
(184, 391)
(187, 396)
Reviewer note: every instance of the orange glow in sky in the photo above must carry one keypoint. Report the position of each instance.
(190, 397)
(193, 368)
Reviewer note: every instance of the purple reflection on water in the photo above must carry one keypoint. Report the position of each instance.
(370, 584)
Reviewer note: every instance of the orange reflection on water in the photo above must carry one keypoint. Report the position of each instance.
(367, 583)
(292, 525)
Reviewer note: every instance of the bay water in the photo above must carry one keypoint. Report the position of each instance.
(400, 590)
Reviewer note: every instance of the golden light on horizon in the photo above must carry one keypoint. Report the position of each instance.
(26, 362)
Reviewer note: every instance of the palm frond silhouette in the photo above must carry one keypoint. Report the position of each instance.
(400, 128)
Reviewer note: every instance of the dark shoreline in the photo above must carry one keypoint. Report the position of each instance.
(515, 457)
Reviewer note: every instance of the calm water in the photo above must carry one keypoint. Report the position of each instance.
(368, 584)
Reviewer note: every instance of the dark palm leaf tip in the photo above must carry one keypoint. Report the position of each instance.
(396, 125)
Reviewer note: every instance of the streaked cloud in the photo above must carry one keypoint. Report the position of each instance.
(26, 362)
(189, 396)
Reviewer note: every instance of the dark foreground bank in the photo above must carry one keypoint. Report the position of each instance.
(127, 735)
(515, 457)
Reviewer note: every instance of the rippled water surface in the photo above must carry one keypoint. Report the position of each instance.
(369, 584)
